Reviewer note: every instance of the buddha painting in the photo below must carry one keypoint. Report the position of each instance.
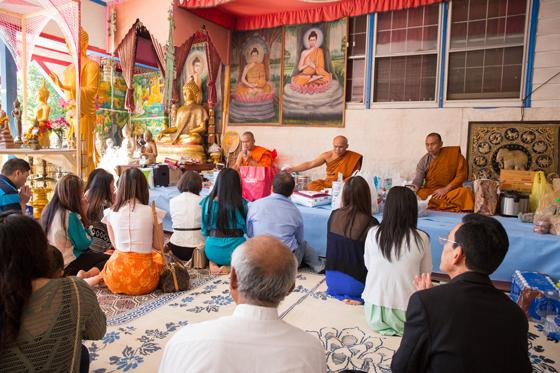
(184, 135)
(252, 98)
(313, 92)
(311, 65)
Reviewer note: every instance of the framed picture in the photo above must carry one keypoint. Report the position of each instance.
(314, 74)
(256, 77)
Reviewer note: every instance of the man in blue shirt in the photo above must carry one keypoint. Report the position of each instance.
(277, 216)
(14, 194)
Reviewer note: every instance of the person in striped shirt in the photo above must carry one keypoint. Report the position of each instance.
(14, 194)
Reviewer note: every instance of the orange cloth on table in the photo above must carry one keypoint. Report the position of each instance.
(346, 164)
(318, 58)
(132, 273)
(262, 156)
(448, 168)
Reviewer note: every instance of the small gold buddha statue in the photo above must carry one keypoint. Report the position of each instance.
(149, 149)
(6, 139)
(189, 124)
(42, 116)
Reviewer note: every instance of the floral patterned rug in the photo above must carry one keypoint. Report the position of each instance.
(136, 337)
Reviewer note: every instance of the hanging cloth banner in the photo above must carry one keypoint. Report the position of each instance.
(300, 15)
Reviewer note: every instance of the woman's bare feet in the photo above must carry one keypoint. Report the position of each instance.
(352, 302)
(87, 274)
(94, 280)
(224, 270)
(214, 268)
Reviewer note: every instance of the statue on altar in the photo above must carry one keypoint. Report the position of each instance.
(189, 125)
(38, 134)
(16, 114)
(89, 84)
(149, 148)
(6, 140)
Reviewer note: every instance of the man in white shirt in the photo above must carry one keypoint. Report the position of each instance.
(253, 339)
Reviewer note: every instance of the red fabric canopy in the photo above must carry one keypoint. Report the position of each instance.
(252, 15)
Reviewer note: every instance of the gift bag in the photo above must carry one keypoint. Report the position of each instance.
(256, 182)
(540, 188)
(485, 196)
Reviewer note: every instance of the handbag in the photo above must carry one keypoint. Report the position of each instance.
(199, 260)
(174, 276)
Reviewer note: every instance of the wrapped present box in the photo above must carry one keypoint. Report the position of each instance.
(311, 199)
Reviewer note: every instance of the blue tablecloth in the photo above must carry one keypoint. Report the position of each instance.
(528, 251)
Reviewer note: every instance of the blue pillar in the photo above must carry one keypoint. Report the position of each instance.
(531, 52)
(8, 76)
(443, 54)
(369, 60)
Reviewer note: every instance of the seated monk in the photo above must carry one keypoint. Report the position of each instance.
(441, 173)
(253, 155)
(338, 160)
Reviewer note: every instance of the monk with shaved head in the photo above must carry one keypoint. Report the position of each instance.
(253, 155)
(338, 160)
(254, 338)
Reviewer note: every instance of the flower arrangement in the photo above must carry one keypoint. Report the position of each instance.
(59, 127)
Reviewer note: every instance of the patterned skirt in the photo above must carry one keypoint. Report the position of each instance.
(132, 273)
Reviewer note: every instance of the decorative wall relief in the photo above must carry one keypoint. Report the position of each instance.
(494, 146)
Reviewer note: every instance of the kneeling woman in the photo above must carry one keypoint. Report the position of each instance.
(395, 252)
(224, 214)
(348, 227)
(134, 267)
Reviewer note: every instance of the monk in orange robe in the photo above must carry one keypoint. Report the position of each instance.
(441, 173)
(338, 160)
(312, 65)
(253, 155)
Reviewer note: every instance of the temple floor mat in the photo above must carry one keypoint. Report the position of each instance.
(139, 328)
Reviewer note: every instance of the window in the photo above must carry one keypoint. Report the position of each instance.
(356, 61)
(406, 55)
(486, 49)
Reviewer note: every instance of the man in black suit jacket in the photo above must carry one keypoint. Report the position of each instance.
(466, 325)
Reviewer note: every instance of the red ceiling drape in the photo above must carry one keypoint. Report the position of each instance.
(216, 9)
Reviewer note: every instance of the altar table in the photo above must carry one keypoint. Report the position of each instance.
(528, 251)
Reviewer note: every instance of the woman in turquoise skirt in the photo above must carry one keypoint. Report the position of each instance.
(224, 214)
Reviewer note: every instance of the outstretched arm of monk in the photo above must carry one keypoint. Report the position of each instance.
(308, 165)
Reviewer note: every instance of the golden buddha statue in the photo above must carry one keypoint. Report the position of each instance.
(189, 124)
(6, 139)
(89, 84)
(42, 116)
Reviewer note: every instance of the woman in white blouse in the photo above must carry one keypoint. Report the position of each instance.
(134, 267)
(395, 252)
(186, 213)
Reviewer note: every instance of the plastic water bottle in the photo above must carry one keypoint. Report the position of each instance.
(336, 190)
(549, 311)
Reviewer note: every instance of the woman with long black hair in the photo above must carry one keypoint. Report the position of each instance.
(100, 196)
(38, 315)
(348, 227)
(64, 220)
(394, 253)
(224, 214)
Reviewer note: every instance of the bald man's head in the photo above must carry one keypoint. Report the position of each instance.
(264, 270)
(247, 141)
(340, 144)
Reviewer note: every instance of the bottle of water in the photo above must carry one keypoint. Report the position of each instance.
(336, 190)
(549, 311)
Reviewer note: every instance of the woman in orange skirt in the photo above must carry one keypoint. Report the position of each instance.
(134, 268)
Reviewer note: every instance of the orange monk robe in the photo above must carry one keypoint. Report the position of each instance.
(262, 156)
(318, 58)
(448, 168)
(346, 164)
